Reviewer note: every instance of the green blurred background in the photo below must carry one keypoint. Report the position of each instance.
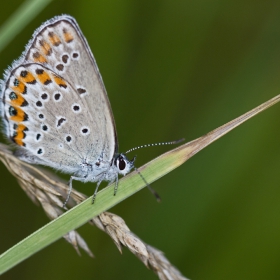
(174, 69)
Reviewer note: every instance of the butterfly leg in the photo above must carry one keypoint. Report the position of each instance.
(69, 191)
(116, 185)
(70, 187)
(95, 192)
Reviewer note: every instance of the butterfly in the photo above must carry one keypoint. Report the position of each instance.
(56, 110)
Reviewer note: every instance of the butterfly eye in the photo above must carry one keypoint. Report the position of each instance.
(121, 164)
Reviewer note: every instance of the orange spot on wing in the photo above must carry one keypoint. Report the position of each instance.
(39, 58)
(54, 39)
(44, 77)
(20, 116)
(19, 135)
(59, 81)
(68, 37)
(18, 101)
(29, 78)
(20, 88)
(45, 47)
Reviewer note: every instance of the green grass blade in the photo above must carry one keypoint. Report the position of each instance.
(129, 185)
(19, 19)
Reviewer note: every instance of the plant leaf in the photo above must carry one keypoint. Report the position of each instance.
(19, 19)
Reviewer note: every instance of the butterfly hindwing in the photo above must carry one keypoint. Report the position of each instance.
(38, 123)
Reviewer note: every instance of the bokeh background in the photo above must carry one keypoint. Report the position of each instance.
(174, 69)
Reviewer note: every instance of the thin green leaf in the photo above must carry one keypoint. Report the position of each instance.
(19, 19)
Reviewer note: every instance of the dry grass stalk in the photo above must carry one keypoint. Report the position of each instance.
(116, 228)
(44, 189)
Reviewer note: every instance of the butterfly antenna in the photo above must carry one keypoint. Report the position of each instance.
(148, 185)
(155, 144)
(151, 145)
